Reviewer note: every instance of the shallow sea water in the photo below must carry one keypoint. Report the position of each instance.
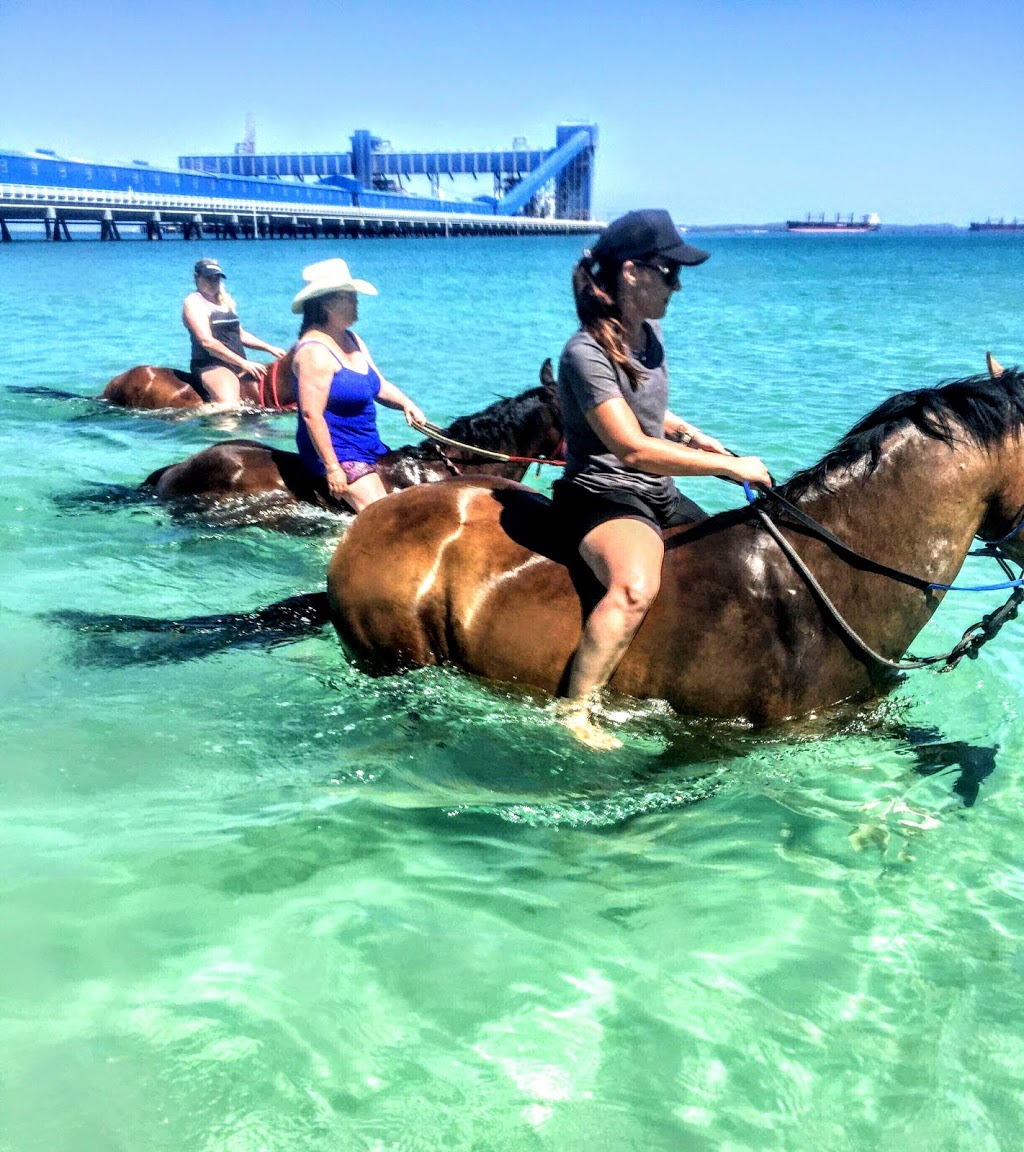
(257, 900)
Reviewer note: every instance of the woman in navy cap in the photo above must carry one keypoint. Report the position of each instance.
(624, 445)
(218, 339)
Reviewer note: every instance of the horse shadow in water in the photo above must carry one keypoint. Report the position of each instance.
(973, 763)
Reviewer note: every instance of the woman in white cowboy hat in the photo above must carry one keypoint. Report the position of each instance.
(338, 385)
(218, 339)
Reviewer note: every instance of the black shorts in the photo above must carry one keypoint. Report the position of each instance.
(579, 511)
(198, 366)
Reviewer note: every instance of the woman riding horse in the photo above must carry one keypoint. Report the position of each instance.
(219, 340)
(617, 495)
(256, 484)
(338, 387)
(474, 574)
(219, 371)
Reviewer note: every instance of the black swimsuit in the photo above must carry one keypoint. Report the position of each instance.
(227, 328)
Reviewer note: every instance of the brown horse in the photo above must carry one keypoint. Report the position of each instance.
(151, 388)
(263, 485)
(470, 573)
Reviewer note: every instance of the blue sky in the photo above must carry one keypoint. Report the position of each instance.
(723, 112)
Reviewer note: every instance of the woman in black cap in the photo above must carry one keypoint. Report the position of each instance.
(219, 340)
(623, 445)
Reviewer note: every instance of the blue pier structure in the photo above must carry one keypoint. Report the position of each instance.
(356, 193)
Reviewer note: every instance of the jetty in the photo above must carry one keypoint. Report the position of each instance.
(358, 193)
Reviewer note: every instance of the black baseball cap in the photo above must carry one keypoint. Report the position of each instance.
(208, 268)
(645, 232)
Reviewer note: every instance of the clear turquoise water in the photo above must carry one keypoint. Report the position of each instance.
(261, 901)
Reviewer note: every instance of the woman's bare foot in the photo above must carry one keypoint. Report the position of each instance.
(995, 369)
(575, 716)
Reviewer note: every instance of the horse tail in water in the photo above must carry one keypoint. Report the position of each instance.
(114, 640)
(47, 393)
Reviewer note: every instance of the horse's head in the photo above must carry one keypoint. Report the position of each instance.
(1004, 519)
(981, 418)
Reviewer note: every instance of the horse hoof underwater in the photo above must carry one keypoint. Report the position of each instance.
(760, 616)
(519, 430)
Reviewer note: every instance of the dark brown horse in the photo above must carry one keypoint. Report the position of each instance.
(151, 388)
(470, 573)
(262, 484)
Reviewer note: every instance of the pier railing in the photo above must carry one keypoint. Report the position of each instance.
(48, 204)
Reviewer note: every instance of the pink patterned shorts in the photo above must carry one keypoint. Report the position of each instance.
(356, 469)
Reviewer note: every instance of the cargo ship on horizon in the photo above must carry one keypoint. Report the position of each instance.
(869, 223)
(999, 225)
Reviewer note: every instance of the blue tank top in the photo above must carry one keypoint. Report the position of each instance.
(351, 417)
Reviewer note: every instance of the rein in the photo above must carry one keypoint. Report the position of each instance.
(973, 638)
(434, 433)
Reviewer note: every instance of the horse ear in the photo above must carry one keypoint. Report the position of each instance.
(547, 377)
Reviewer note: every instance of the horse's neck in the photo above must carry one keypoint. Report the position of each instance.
(918, 510)
(502, 433)
(535, 433)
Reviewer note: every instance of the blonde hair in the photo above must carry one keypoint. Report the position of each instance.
(224, 298)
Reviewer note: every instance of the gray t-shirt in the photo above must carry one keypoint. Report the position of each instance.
(586, 378)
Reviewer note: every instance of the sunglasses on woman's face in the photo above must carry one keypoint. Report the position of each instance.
(669, 274)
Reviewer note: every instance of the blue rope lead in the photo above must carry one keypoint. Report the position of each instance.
(977, 587)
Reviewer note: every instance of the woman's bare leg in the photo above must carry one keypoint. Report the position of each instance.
(366, 490)
(222, 387)
(626, 557)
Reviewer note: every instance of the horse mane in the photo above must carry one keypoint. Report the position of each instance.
(499, 422)
(980, 408)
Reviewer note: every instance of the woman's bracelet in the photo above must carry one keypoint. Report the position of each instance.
(336, 468)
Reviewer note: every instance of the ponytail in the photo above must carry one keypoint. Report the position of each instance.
(599, 314)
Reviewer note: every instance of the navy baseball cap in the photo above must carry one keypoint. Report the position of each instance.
(645, 232)
(209, 268)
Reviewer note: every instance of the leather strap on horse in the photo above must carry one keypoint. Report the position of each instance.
(969, 644)
(272, 373)
(861, 561)
(439, 434)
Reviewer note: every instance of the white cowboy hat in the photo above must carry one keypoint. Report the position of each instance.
(326, 277)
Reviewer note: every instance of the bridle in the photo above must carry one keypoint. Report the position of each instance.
(973, 638)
